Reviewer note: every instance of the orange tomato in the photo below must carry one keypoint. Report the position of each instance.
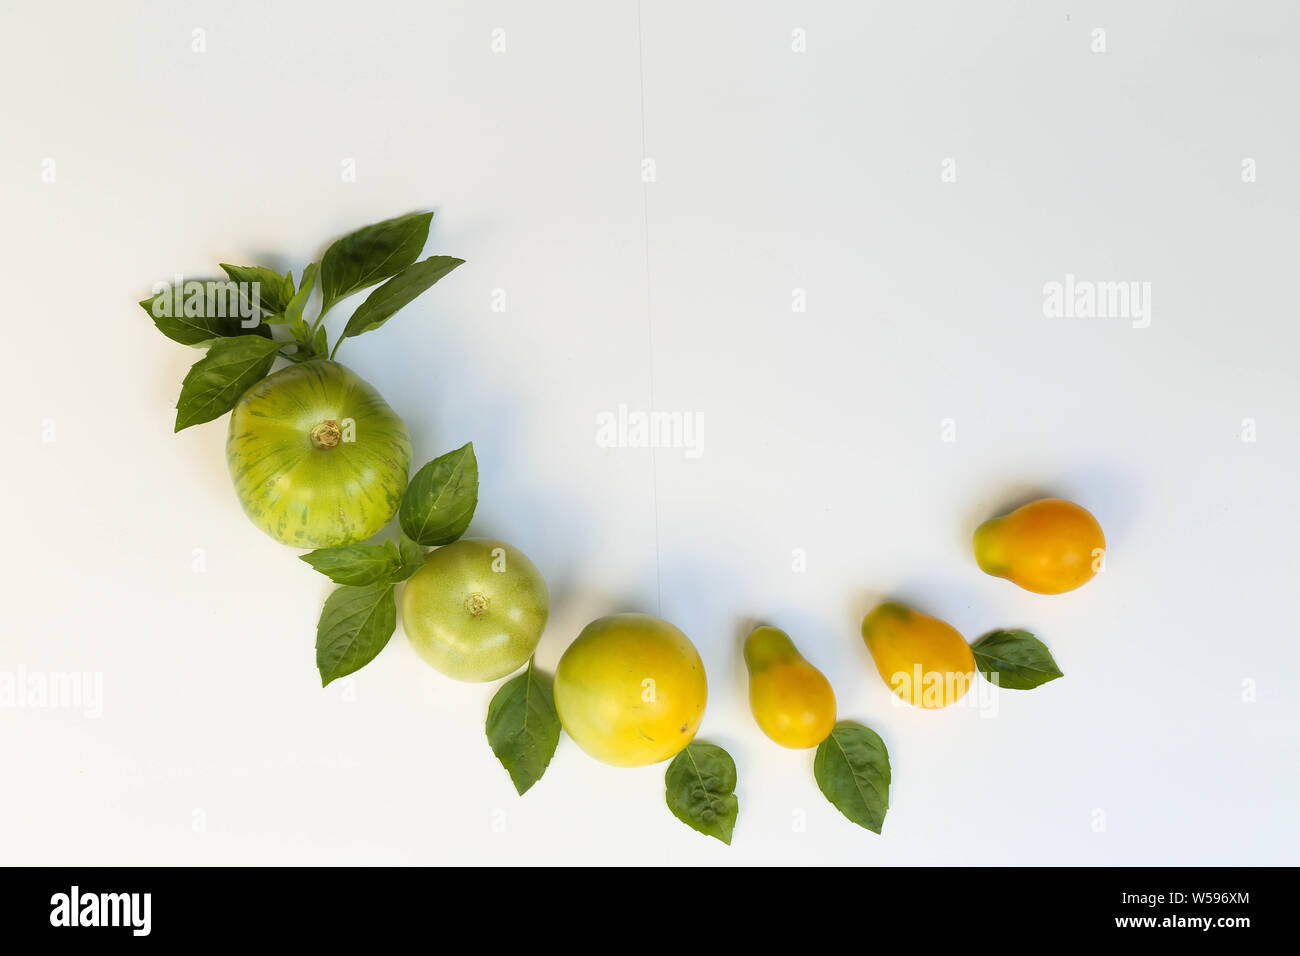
(1048, 546)
(925, 661)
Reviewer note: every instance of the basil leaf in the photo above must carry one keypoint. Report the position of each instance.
(274, 291)
(523, 727)
(215, 382)
(356, 564)
(398, 292)
(371, 254)
(440, 500)
(412, 559)
(1019, 660)
(301, 334)
(204, 328)
(700, 788)
(320, 343)
(354, 626)
(852, 770)
(293, 310)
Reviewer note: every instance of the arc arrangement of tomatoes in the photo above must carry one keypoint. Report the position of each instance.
(320, 461)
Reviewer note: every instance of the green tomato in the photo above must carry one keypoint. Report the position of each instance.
(476, 610)
(317, 456)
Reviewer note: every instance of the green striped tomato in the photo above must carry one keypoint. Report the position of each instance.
(317, 456)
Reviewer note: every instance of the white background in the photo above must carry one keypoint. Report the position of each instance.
(775, 171)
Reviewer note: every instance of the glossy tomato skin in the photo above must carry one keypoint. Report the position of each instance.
(317, 456)
(476, 609)
(924, 660)
(1048, 546)
(791, 700)
(631, 690)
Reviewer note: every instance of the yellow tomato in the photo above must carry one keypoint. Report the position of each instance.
(1048, 546)
(792, 701)
(631, 690)
(924, 660)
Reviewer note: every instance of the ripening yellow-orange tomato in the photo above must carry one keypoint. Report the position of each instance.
(923, 660)
(1048, 546)
(631, 690)
(791, 700)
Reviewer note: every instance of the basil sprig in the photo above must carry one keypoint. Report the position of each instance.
(439, 506)
(383, 252)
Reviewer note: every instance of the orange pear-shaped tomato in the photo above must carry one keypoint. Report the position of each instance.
(925, 661)
(1048, 546)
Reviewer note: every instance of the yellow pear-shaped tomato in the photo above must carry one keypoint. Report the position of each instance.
(1048, 546)
(924, 660)
(791, 700)
(631, 690)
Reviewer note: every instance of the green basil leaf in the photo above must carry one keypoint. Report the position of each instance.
(523, 727)
(852, 770)
(215, 382)
(293, 311)
(412, 558)
(274, 291)
(440, 500)
(371, 254)
(354, 626)
(700, 788)
(320, 343)
(1015, 659)
(398, 292)
(301, 334)
(203, 325)
(356, 564)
